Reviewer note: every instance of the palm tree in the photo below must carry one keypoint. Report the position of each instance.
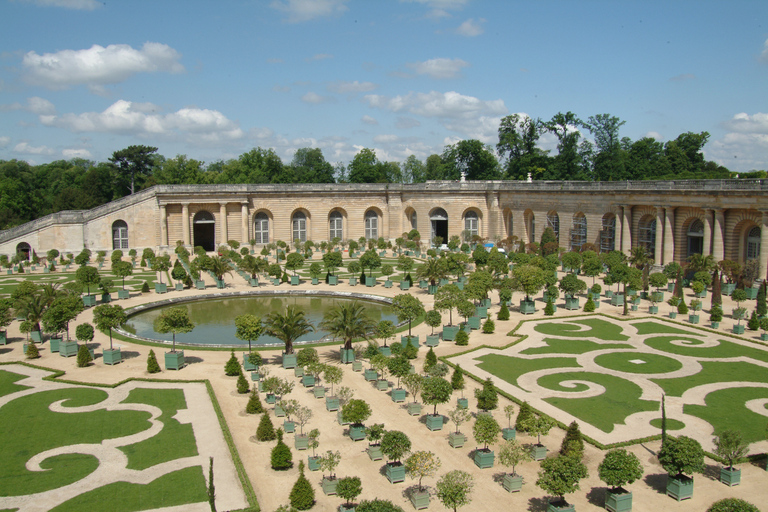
(641, 259)
(701, 263)
(219, 266)
(433, 270)
(348, 321)
(32, 308)
(288, 327)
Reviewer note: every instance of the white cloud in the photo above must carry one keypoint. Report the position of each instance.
(315, 99)
(654, 135)
(25, 148)
(404, 123)
(34, 104)
(440, 8)
(437, 104)
(343, 87)
(98, 65)
(745, 146)
(439, 68)
(369, 120)
(305, 10)
(764, 53)
(144, 119)
(471, 28)
(483, 128)
(4, 141)
(744, 123)
(83, 5)
(385, 138)
(76, 153)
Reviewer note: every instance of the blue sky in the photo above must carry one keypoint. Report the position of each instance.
(211, 80)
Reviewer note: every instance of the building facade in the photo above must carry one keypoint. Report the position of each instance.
(671, 219)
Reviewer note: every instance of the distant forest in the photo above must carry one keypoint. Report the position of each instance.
(28, 191)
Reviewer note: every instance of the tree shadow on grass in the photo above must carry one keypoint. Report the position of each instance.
(657, 482)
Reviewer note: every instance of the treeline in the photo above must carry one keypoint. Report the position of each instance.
(28, 192)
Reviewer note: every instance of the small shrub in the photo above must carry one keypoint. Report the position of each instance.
(489, 326)
(732, 505)
(302, 494)
(573, 444)
(682, 309)
(410, 351)
(145, 286)
(754, 322)
(152, 366)
(462, 338)
(307, 355)
(281, 457)
(503, 313)
(430, 360)
(549, 309)
(232, 368)
(254, 403)
(589, 306)
(83, 356)
(32, 351)
(487, 398)
(265, 431)
(242, 384)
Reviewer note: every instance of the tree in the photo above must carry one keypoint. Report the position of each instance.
(408, 308)
(122, 269)
(174, 320)
(83, 356)
(566, 163)
(281, 457)
(329, 462)
(370, 260)
(88, 276)
(434, 391)
(518, 137)
(356, 411)
(288, 327)
(62, 311)
(349, 488)
(560, 475)
(248, 327)
(457, 379)
(487, 398)
(134, 162)
(294, 261)
(732, 505)
(265, 431)
(399, 366)
(486, 430)
(309, 166)
(348, 320)
(395, 444)
(470, 159)
(620, 467)
(730, 446)
(454, 489)
(219, 266)
(572, 444)
(528, 279)
(152, 365)
(433, 270)
(332, 261)
(513, 453)
(448, 298)
(422, 464)
(682, 455)
(609, 165)
(108, 317)
(413, 383)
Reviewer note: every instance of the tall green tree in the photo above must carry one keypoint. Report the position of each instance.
(309, 166)
(134, 163)
(174, 320)
(348, 320)
(248, 327)
(472, 159)
(518, 136)
(566, 163)
(108, 317)
(288, 326)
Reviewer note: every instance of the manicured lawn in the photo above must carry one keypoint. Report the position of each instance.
(133, 283)
(725, 349)
(644, 328)
(725, 409)
(652, 363)
(672, 424)
(713, 372)
(598, 328)
(577, 346)
(7, 383)
(511, 368)
(621, 398)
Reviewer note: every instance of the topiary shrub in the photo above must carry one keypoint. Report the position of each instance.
(487, 398)
(754, 323)
(254, 403)
(242, 384)
(232, 368)
(503, 313)
(489, 326)
(32, 351)
(732, 505)
(152, 366)
(307, 356)
(265, 431)
(524, 417)
(430, 360)
(682, 309)
(573, 444)
(377, 505)
(410, 351)
(281, 457)
(83, 356)
(302, 494)
(589, 306)
(145, 286)
(462, 338)
(549, 309)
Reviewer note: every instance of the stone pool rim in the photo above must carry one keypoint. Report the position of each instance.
(245, 293)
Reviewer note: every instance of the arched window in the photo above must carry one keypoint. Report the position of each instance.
(204, 230)
(261, 228)
(648, 236)
(336, 225)
(753, 243)
(696, 237)
(413, 221)
(553, 221)
(299, 223)
(510, 225)
(579, 232)
(119, 235)
(371, 225)
(23, 251)
(471, 224)
(608, 233)
(438, 220)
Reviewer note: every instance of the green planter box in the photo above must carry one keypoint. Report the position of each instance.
(414, 340)
(255, 377)
(161, 287)
(618, 500)
(289, 427)
(331, 403)
(370, 375)
(466, 328)
(247, 365)
(374, 452)
(450, 332)
(313, 463)
(3, 338)
(271, 398)
(481, 311)
(385, 351)
(370, 281)
(434, 422)
(560, 506)
(179, 287)
(301, 442)
(279, 411)
(764, 336)
(730, 477)
(357, 366)
(308, 381)
(395, 472)
(220, 284)
(474, 322)
(462, 403)
(508, 433)
(329, 486)
(106, 298)
(694, 319)
(414, 408)
(253, 282)
(200, 285)
(680, 487)
(432, 289)
(738, 329)
(714, 325)
(315, 280)
(653, 310)
(527, 307)
(298, 371)
(512, 483)
(294, 280)
(347, 355)
(484, 459)
(398, 395)
(387, 283)
(333, 280)
(433, 340)
(727, 288)
(382, 385)
(36, 336)
(423, 283)
(68, 348)
(405, 285)
(352, 281)
(89, 300)
(174, 360)
(112, 357)
(53, 343)
(456, 439)
(608, 294)
(538, 452)
(357, 432)
(617, 300)
(571, 303)
(319, 391)
(420, 500)
(751, 293)
(123, 294)
(673, 314)
(289, 361)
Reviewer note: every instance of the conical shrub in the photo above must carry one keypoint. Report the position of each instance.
(232, 368)
(302, 494)
(254, 403)
(83, 356)
(242, 384)
(265, 431)
(152, 366)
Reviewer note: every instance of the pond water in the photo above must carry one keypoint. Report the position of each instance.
(214, 319)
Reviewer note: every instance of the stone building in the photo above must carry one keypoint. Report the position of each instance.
(672, 219)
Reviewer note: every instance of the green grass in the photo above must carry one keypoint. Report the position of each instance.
(511, 368)
(565, 346)
(654, 363)
(30, 427)
(621, 398)
(598, 328)
(672, 424)
(726, 409)
(725, 349)
(174, 441)
(7, 382)
(661, 328)
(133, 283)
(173, 489)
(713, 372)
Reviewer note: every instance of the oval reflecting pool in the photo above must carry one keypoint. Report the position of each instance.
(214, 318)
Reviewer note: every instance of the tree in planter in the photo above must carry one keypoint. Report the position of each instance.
(399, 367)
(348, 320)
(435, 391)
(458, 416)
(539, 426)
(730, 446)
(486, 430)
(761, 306)
(370, 260)
(265, 431)
(457, 380)
(380, 363)
(281, 457)
(408, 308)
(374, 434)
(356, 411)
(619, 468)
(248, 328)
(219, 265)
(528, 279)
(739, 295)
(447, 299)
(512, 453)
(152, 366)
(329, 462)
(108, 317)
(571, 285)
(315, 270)
(121, 270)
(332, 262)
(430, 360)
(178, 273)
(332, 375)
(302, 494)
(560, 475)
(754, 323)
(303, 415)
(63, 310)
(433, 270)
(87, 276)
(487, 398)
(386, 271)
(422, 464)
(681, 456)
(307, 356)
(349, 488)
(174, 320)
(288, 327)
(433, 319)
(161, 264)
(395, 445)
(716, 313)
(294, 261)
(413, 383)
(454, 489)
(254, 402)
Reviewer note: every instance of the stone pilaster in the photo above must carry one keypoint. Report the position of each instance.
(185, 223)
(708, 227)
(223, 220)
(659, 242)
(163, 226)
(244, 223)
(669, 235)
(718, 249)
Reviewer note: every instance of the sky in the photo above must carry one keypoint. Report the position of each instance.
(212, 80)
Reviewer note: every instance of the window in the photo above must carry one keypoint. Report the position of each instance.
(579, 232)
(608, 234)
(300, 226)
(510, 226)
(23, 251)
(413, 221)
(336, 223)
(470, 224)
(753, 243)
(648, 236)
(371, 225)
(261, 228)
(119, 235)
(553, 221)
(696, 237)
